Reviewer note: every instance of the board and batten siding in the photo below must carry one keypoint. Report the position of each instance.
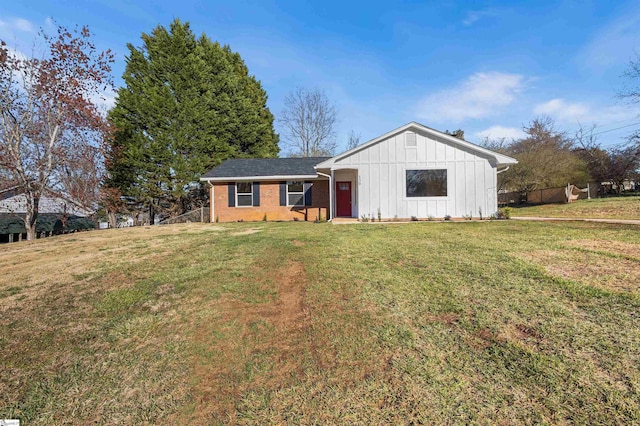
(471, 179)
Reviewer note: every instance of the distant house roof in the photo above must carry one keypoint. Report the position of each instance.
(265, 168)
(47, 222)
(9, 192)
(13, 200)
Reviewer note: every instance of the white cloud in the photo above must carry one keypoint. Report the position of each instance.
(475, 15)
(105, 100)
(23, 25)
(499, 132)
(16, 24)
(561, 110)
(481, 95)
(575, 113)
(614, 44)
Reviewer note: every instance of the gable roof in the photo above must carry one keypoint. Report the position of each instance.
(265, 168)
(499, 159)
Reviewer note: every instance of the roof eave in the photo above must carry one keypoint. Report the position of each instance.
(255, 178)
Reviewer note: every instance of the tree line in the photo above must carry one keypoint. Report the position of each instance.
(548, 158)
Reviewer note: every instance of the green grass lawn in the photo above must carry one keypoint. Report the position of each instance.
(598, 208)
(299, 323)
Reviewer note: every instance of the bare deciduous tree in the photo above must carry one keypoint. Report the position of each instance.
(545, 157)
(631, 94)
(51, 133)
(353, 139)
(309, 120)
(614, 164)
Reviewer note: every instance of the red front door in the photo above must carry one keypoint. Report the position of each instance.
(343, 199)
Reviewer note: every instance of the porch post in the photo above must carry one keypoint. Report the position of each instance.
(211, 202)
(331, 196)
(330, 213)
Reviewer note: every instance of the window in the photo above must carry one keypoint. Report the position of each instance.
(295, 194)
(244, 194)
(427, 183)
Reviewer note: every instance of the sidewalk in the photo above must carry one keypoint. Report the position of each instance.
(579, 219)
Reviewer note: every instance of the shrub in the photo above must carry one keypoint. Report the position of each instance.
(505, 213)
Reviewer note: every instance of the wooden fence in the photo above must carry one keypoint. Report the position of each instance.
(540, 196)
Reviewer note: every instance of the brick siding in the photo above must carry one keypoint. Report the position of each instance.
(269, 204)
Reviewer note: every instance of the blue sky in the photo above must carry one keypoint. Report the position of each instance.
(488, 67)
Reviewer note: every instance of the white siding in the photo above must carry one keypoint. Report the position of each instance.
(380, 179)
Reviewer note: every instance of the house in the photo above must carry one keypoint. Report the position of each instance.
(411, 172)
(56, 213)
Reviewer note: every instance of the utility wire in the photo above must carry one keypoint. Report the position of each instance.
(617, 128)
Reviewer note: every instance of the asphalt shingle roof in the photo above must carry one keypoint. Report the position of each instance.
(245, 167)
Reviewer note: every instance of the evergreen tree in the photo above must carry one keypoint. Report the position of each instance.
(188, 104)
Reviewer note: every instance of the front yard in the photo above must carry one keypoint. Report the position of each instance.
(298, 323)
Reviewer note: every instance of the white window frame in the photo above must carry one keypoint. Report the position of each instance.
(431, 197)
(290, 182)
(238, 193)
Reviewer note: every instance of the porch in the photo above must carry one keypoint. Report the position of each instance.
(344, 192)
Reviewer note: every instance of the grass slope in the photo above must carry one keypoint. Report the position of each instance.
(299, 323)
(597, 208)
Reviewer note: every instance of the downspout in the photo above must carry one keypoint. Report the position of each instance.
(330, 194)
(212, 197)
(497, 173)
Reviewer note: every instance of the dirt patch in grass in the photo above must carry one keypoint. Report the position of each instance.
(446, 318)
(589, 268)
(525, 334)
(608, 246)
(259, 346)
(247, 232)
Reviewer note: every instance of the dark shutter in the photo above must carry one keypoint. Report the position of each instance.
(232, 194)
(307, 193)
(283, 193)
(256, 194)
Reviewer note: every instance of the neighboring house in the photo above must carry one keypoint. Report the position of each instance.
(56, 214)
(413, 171)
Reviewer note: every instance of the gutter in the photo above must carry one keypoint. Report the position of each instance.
(330, 194)
(257, 178)
(503, 170)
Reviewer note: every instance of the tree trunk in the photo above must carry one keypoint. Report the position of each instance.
(111, 215)
(31, 216)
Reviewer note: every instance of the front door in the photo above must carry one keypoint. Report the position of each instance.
(343, 199)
